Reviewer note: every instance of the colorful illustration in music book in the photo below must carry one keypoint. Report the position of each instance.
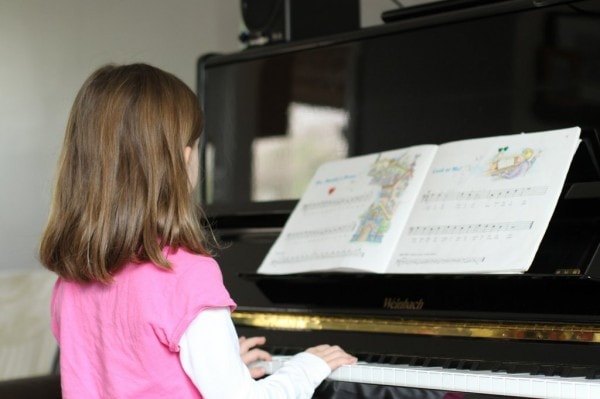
(469, 206)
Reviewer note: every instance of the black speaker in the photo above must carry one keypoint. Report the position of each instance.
(272, 21)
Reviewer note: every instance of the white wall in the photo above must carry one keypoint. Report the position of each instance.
(48, 48)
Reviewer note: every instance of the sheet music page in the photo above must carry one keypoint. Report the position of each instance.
(486, 204)
(351, 214)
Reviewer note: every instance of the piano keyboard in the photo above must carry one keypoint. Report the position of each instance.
(484, 382)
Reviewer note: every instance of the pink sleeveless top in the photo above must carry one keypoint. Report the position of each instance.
(122, 340)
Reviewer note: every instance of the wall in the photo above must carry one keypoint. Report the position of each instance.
(47, 49)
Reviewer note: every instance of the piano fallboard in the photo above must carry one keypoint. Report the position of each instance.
(528, 297)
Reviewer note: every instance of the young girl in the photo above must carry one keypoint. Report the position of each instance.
(139, 309)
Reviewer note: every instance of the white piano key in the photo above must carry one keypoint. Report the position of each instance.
(460, 382)
(388, 374)
(447, 379)
(473, 380)
(412, 378)
(401, 376)
(511, 386)
(437, 381)
(378, 375)
(593, 392)
(498, 384)
(485, 383)
(553, 388)
(524, 387)
(480, 381)
(567, 390)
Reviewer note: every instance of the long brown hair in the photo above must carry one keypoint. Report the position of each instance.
(122, 192)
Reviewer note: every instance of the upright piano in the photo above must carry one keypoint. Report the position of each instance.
(463, 69)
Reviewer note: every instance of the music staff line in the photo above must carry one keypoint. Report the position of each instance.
(322, 232)
(477, 195)
(319, 255)
(475, 260)
(337, 202)
(474, 228)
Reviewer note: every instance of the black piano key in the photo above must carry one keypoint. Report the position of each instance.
(593, 374)
(559, 370)
(392, 359)
(523, 368)
(362, 357)
(574, 371)
(427, 362)
(398, 359)
(547, 369)
(492, 366)
(383, 359)
(467, 365)
(509, 367)
(535, 369)
(475, 365)
(436, 362)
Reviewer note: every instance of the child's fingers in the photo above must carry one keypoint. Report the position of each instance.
(334, 356)
(257, 372)
(248, 343)
(255, 355)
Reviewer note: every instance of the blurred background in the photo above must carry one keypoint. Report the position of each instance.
(47, 50)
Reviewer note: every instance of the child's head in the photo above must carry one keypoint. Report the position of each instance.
(122, 191)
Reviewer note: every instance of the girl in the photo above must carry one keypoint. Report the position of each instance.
(139, 308)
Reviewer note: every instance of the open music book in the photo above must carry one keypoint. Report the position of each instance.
(469, 206)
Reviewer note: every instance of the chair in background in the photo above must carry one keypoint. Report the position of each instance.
(27, 346)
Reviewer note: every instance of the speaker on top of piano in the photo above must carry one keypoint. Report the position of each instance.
(272, 21)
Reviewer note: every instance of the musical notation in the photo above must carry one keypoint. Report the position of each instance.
(336, 202)
(322, 232)
(474, 228)
(477, 195)
(319, 255)
(474, 260)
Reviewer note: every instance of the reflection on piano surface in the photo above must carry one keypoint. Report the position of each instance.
(504, 66)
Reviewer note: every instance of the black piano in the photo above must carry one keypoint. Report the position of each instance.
(430, 74)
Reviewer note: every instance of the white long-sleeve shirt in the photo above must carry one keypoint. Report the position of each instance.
(210, 355)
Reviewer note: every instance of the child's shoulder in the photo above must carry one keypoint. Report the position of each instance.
(184, 261)
(183, 254)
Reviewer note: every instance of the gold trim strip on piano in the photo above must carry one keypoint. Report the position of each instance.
(500, 330)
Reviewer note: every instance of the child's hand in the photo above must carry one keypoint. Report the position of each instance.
(334, 356)
(249, 353)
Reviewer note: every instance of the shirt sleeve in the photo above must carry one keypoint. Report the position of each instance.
(199, 286)
(209, 354)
